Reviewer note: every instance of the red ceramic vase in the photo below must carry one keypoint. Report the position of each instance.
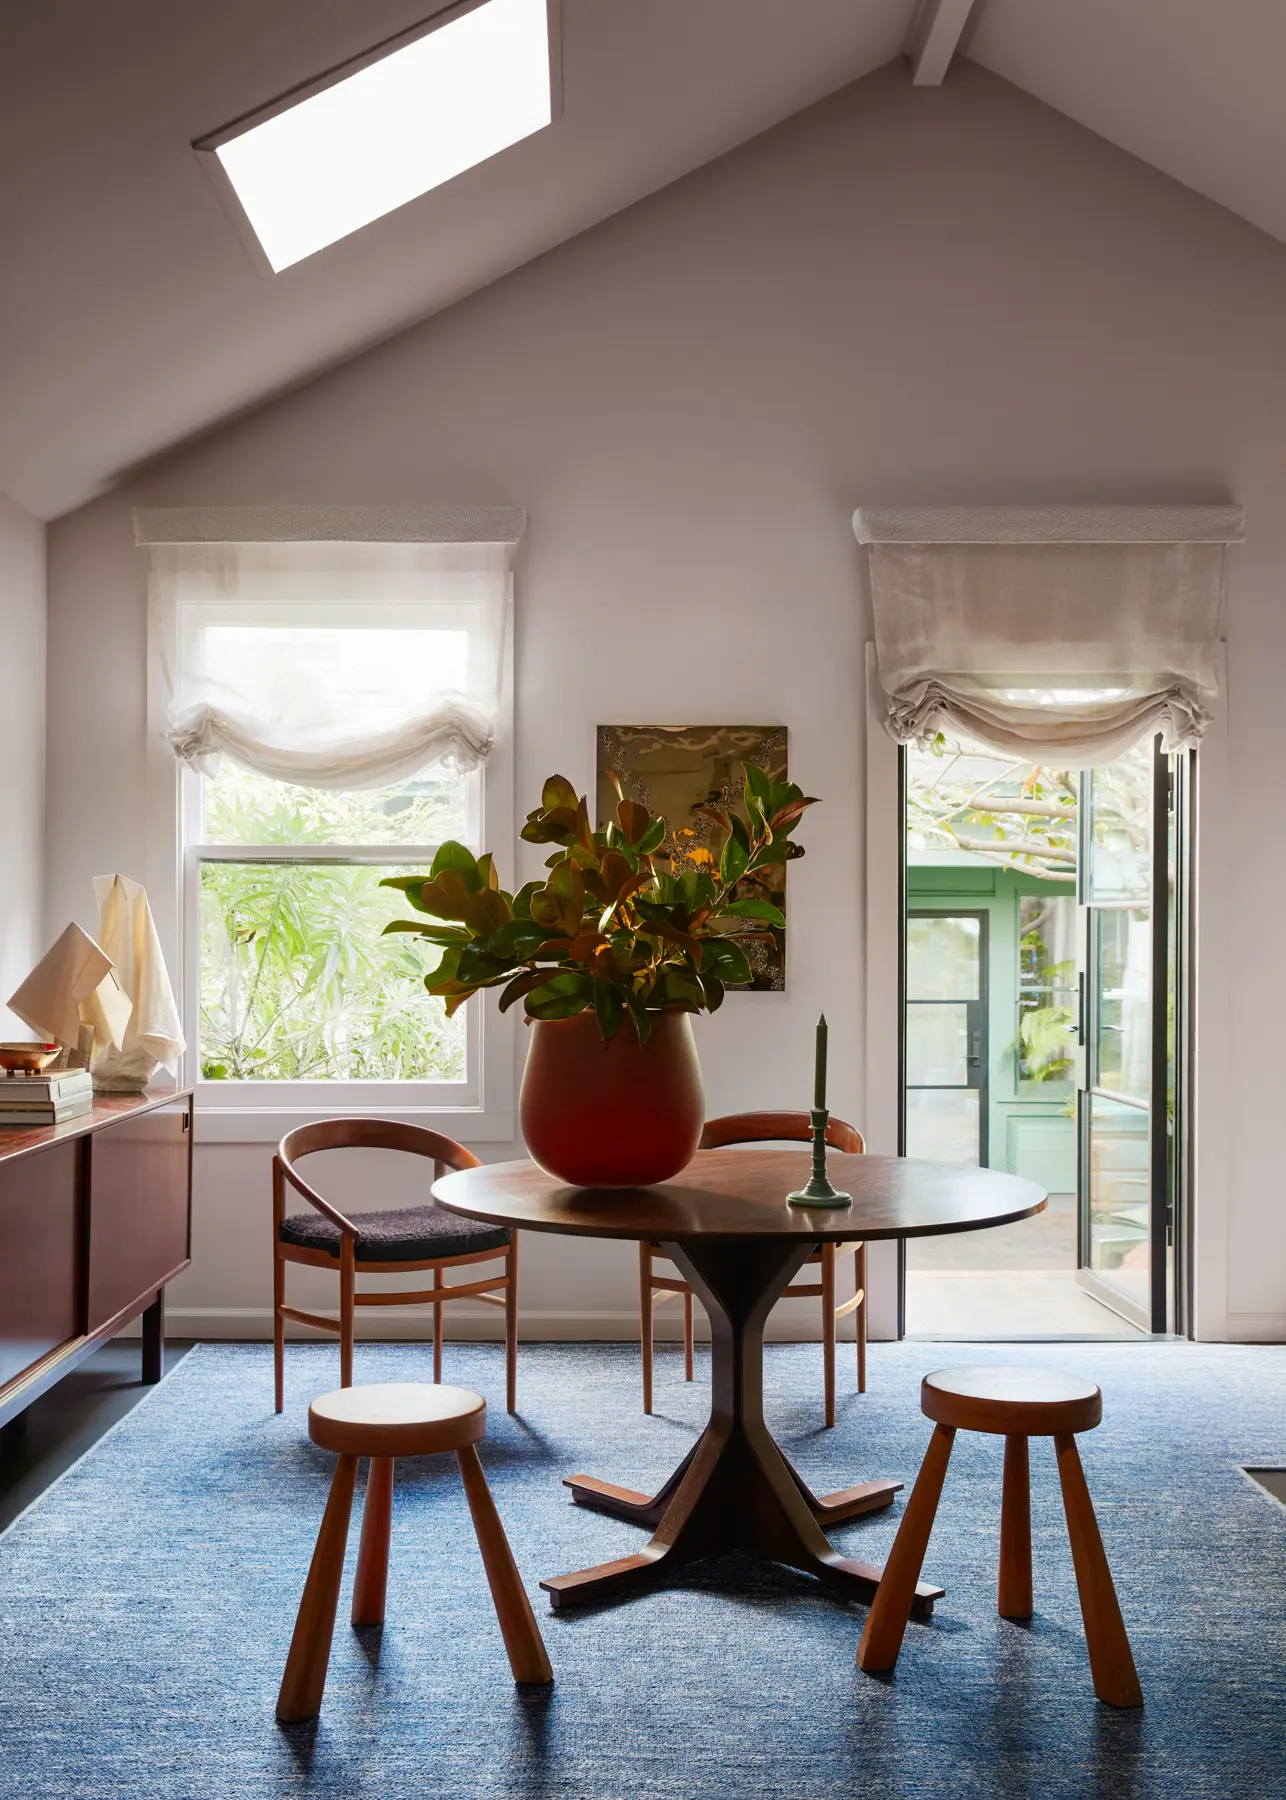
(620, 1114)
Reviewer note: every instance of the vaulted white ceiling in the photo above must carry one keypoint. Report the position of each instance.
(131, 316)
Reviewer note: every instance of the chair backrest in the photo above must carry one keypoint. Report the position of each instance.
(362, 1134)
(373, 1134)
(778, 1127)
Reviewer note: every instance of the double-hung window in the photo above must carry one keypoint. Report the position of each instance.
(336, 710)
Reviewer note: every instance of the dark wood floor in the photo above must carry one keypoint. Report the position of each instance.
(56, 1430)
(1273, 1481)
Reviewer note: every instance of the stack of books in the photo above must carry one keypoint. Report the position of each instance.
(45, 1099)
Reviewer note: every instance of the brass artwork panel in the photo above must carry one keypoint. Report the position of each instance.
(676, 770)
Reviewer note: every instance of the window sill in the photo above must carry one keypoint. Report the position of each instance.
(262, 1125)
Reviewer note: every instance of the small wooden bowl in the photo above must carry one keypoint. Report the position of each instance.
(29, 1059)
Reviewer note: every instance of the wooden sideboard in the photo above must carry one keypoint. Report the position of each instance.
(95, 1218)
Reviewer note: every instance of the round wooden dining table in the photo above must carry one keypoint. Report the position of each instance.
(725, 1222)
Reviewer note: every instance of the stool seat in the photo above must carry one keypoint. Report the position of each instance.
(397, 1418)
(1028, 1401)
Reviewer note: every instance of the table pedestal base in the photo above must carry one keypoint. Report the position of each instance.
(734, 1490)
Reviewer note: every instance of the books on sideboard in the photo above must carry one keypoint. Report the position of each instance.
(45, 1099)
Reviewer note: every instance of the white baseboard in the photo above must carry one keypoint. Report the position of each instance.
(1255, 1328)
(254, 1324)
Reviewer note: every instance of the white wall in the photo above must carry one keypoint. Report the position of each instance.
(918, 295)
(22, 751)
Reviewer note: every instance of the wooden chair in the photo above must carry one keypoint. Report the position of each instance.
(654, 1290)
(409, 1238)
(388, 1420)
(1016, 1403)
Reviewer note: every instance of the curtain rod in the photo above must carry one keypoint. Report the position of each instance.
(1049, 524)
(329, 524)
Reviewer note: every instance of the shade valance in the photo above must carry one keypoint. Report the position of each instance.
(1055, 633)
(339, 660)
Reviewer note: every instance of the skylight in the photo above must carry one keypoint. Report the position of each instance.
(424, 113)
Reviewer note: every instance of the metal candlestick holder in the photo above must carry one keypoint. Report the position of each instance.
(819, 1191)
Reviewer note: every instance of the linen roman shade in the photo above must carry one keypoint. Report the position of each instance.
(1056, 633)
(331, 647)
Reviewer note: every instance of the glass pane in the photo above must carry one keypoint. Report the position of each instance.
(1046, 988)
(298, 985)
(1120, 837)
(942, 1124)
(937, 1044)
(1118, 1196)
(1123, 963)
(943, 960)
(244, 808)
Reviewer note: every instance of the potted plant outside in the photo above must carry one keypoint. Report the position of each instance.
(611, 955)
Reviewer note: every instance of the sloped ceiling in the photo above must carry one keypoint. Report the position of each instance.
(1194, 87)
(131, 316)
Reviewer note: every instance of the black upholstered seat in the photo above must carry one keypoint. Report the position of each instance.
(407, 1234)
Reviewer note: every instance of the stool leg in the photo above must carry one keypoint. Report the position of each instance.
(891, 1607)
(1111, 1663)
(370, 1587)
(687, 1336)
(1013, 1591)
(523, 1642)
(304, 1681)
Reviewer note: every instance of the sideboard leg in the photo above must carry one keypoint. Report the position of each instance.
(154, 1340)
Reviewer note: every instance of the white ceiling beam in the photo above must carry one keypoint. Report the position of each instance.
(934, 38)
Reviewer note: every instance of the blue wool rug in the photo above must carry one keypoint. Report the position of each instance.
(147, 1600)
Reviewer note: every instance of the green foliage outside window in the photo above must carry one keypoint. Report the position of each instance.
(297, 982)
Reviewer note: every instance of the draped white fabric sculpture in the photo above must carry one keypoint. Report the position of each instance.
(331, 662)
(1049, 633)
(153, 1038)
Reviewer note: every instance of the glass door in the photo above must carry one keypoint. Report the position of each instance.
(946, 1036)
(1125, 1168)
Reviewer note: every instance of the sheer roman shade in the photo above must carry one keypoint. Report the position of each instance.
(320, 656)
(1052, 634)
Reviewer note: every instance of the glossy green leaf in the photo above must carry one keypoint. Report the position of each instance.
(754, 909)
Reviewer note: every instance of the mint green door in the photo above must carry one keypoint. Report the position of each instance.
(945, 1091)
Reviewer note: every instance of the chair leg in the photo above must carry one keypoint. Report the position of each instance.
(1013, 1590)
(370, 1588)
(891, 1608)
(687, 1337)
(1111, 1662)
(304, 1681)
(437, 1331)
(278, 1330)
(525, 1646)
(511, 1328)
(828, 1330)
(347, 1307)
(859, 1268)
(645, 1320)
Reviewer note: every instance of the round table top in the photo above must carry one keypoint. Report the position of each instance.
(740, 1193)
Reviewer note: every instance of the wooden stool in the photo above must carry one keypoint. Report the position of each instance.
(1016, 1404)
(391, 1419)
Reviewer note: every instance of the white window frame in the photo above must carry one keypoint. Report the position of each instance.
(481, 1109)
